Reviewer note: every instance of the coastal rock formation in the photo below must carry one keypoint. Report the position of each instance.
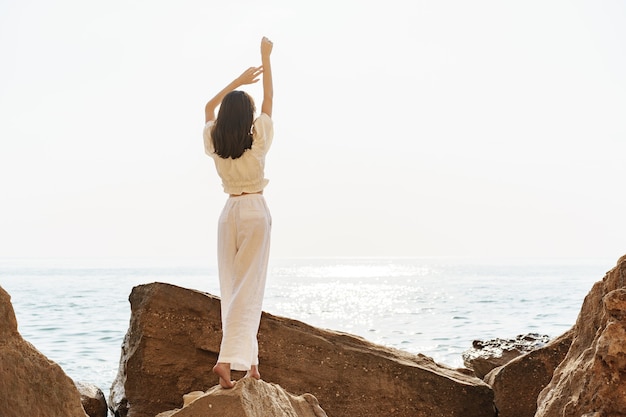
(517, 384)
(249, 398)
(591, 380)
(168, 351)
(487, 355)
(31, 384)
(174, 337)
(92, 399)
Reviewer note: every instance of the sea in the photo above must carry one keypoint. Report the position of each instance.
(76, 311)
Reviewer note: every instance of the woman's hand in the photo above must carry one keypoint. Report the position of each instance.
(249, 76)
(266, 47)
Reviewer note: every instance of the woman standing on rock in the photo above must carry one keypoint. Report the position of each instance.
(238, 142)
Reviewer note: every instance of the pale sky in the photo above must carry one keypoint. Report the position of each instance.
(402, 128)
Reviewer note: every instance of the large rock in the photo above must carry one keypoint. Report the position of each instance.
(249, 398)
(169, 350)
(174, 337)
(517, 384)
(30, 383)
(591, 380)
(487, 355)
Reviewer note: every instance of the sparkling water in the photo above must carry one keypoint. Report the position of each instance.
(77, 312)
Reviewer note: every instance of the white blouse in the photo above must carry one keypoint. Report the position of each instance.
(245, 174)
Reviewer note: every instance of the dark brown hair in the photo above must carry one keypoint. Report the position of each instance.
(232, 132)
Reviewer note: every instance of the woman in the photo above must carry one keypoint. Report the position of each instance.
(238, 142)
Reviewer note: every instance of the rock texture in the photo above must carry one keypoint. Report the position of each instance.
(517, 384)
(487, 355)
(168, 351)
(92, 399)
(31, 384)
(174, 337)
(591, 380)
(249, 398)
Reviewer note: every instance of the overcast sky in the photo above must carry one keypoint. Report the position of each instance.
(402, 128)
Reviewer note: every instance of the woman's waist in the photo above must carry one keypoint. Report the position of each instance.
(245, 194)
(239, 188)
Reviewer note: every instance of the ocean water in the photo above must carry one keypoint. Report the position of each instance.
(76, 312)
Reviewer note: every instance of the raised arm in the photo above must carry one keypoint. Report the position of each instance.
(268, 87)
(249, 76)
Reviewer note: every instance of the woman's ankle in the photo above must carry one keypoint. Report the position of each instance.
(222, 369)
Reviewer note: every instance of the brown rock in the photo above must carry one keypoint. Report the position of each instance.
(174, 337)
(249, 398)
(168, 351)
(591, 380)
(93, 400)
(487, 355)
(517, 384)
(30, 383)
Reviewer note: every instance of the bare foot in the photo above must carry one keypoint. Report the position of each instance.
(222, 370)
(254, 372)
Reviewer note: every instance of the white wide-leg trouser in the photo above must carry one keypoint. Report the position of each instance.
(243, 253)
